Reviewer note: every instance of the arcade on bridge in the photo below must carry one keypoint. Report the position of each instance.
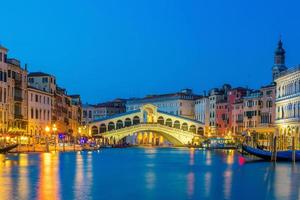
(147, 125)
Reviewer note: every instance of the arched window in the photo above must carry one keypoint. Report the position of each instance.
(94, 130)
(160, 120)
(177, 124)
(193, 129)
(136, 120)
(119, 124)
(102, 128)
(127, 122)
(184, 126)
(111, 126)
(169, 122)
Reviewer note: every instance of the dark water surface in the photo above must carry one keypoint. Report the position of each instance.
(145, 173)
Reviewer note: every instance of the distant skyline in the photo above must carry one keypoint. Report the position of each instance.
(104, 50)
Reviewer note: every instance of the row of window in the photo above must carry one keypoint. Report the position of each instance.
(3, 57)
(40, 99)
(289, 89)
(39, 114)
(288, 111)
(252, 103)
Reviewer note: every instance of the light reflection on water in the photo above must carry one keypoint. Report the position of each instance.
(49, 177)
(149, 173)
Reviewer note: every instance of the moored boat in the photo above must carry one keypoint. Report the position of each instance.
(8, 148)
(219, 143)
(267, 155)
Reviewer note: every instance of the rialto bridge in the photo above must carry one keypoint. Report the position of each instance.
(149, 126)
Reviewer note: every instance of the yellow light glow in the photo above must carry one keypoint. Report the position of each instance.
(47, 129)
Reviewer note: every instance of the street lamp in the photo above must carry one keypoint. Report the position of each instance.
(54, 129)
(47, 129)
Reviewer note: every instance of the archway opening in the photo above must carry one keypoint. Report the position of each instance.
(136, 120)
(127, 122)
(193, 129)
(111, 126)
(177, 124)
(160, 120)
(184, 126)
(169, 122)
(102, 128)
(94, 130)
(200, 131)
(119, 124)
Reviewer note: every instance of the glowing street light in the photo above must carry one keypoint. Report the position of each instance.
(47, 129)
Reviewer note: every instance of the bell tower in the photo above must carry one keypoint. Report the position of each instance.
(279, 60)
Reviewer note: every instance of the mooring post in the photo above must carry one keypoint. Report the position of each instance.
(293, 149)
(274, 148)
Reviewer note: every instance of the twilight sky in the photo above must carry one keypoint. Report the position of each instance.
(125, 48)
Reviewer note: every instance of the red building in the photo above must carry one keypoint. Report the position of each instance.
(224, 110)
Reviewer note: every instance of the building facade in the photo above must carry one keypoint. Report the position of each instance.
(202, 110)
(95, 112)
(39, 111)
(181, 103)
(288, 101)
(216, 96)
(13, 95)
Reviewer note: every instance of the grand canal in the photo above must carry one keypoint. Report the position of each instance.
(145, 173)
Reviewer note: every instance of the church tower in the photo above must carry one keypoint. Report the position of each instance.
(279, 60)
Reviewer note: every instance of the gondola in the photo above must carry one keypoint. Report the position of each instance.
(8, 148)
(267, 155)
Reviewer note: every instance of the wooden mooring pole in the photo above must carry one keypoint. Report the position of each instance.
(293, 149)
(274, 149)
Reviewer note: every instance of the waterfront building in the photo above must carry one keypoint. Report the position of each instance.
(259, 112)
(87, 114)
(252, 105)
(42, 81)
(17, 97)
(13, 95)
(238, 117)
(61, 110)
(180, 103)
(95, 112)
(65, 109)
(222, 117)
(39, 111)
(202, 110)
(288, 101)
(216, 95)
(75, 114)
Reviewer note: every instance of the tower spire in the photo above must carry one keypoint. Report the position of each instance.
(279, 59)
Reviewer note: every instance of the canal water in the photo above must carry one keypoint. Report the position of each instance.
(145, 173)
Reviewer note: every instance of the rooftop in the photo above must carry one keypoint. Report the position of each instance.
(289, 71)
(32, 74)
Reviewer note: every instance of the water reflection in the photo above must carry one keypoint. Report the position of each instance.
(5, 177)
(191, 184)
(23, 182)
(207, 181)
(146, 174)
(48, 187)
(150, 176)
(83, 176)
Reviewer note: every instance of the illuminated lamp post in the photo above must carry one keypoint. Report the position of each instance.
(47, 129)
(54, 129)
